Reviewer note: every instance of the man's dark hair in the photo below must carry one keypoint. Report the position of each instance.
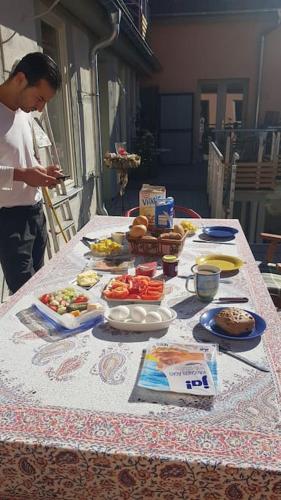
(37, 66)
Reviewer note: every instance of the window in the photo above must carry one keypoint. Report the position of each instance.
(53, 44)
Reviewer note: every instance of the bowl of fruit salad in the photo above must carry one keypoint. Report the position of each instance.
(68, 306)
(106, 248)
(189, 228)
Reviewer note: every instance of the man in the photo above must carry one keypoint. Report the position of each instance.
(23, 236)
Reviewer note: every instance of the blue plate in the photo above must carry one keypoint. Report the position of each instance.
(220, 231)
(207, 320)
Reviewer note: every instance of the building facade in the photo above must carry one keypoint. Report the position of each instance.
(69, 32)
(225, 55)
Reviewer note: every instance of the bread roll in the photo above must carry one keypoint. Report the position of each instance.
(138, 231)
(170, 236)
(140, 220)
(164, 236)
(235, 321)
(175, 236)
(179, 229)
(149, 237)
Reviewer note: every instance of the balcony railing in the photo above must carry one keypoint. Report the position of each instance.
(244, 174)
(139, 10)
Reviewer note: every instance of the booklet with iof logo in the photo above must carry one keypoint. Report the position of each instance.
(185, 368)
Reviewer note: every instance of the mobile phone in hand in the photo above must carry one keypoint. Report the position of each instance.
(63, 177)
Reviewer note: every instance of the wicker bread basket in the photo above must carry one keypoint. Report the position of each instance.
(157, 247)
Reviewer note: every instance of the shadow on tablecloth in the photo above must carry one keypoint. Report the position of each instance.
(200, 334)
(32, 319)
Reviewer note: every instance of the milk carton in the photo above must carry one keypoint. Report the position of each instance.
(148, 196)
(164, 213)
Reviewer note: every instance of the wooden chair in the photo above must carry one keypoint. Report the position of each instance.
(187, 212)
(271, 271)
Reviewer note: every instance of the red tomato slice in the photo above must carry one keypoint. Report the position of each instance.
(134, 296)
(155, 286)
(80, 298)
(133, 289)
(156, 283)
(116, 293)
(44, 298)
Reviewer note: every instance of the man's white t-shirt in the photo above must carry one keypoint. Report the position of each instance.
(16, 150)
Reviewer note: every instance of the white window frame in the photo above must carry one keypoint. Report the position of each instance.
(59, 25)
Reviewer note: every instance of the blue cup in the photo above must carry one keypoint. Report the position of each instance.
(206, 281)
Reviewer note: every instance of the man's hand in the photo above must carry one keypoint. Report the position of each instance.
(54, 171)
(38, 176)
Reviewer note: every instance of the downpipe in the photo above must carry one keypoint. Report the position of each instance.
(261, 66)
(115, 18)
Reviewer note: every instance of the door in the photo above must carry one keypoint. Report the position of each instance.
(223, 104)
(176, 118)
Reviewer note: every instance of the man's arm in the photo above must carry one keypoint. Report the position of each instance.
(33, 176)
(36, 176)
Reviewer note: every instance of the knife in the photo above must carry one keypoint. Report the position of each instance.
(229, 300)
(214, 242)
(258, 366)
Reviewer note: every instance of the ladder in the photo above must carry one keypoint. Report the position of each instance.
(57, 204)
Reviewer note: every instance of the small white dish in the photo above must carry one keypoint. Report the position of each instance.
(132, 326)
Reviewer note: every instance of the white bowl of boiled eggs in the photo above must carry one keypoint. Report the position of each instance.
(140, 318)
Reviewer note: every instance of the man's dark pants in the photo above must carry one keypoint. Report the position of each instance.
(23, 238)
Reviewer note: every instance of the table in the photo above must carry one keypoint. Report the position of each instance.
(74, 425)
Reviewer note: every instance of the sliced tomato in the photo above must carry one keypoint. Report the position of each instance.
(80, 298)
(150, 286)
(133, 288)
(117, 293)
(134, 296)
(156, 283)
(45, 298)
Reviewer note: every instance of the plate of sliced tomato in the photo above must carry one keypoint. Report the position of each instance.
(127, 288)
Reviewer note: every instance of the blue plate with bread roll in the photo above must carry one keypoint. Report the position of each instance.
(233, 323)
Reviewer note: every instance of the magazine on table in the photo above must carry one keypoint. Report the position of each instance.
(189, 368)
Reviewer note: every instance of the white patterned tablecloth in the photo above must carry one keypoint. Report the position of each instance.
(73, 403)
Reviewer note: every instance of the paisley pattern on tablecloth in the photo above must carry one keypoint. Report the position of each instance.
(95, 434)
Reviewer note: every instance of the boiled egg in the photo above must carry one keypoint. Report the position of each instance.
(165, 313)
(153, 317)
(119, 313)
(138, 314)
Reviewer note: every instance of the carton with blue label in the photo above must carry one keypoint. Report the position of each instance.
(164, 213)
(185, 368)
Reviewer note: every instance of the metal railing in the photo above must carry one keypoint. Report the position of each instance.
(244, 169)
(215, 181)
(140, 12)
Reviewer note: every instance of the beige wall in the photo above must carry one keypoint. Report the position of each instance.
(218, 48)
